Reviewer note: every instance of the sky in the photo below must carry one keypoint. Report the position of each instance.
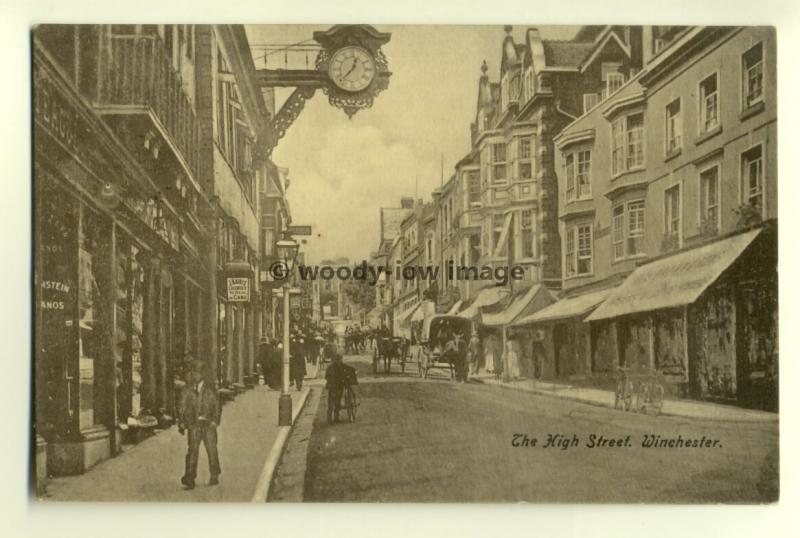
(343, 170)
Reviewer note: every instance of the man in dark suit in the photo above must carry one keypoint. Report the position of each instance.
(199, 413)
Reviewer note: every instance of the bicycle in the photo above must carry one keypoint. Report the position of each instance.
(623, 395)
(650, 396)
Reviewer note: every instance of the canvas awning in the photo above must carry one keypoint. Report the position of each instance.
(405, 317)
(486, 297)
(569, 307)
(675, 280)
(455, 308)
(534, 298)
(377, 311)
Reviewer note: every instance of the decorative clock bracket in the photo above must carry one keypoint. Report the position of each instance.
(348, 51)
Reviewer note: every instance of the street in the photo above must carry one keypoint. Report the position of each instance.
(435, 440)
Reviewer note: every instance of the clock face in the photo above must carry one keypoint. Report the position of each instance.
(352, 69)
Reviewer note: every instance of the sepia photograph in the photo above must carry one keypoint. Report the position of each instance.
(417, 263)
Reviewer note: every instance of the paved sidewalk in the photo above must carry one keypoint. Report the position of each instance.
(151, 470)
(605, 398)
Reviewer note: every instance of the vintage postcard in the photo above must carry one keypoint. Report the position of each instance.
(357, 263)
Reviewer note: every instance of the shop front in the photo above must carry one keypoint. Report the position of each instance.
(560, 342)
(236, 326)
(105, 260)
(705, 319)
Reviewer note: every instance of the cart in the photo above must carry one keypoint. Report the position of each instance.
(436, 332)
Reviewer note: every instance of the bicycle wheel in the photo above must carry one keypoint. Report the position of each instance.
(350, 403)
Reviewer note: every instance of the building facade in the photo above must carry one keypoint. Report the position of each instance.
(144, 186)
(668, 211)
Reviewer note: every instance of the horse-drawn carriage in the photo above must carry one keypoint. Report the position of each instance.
(388, 348)
(443, 343)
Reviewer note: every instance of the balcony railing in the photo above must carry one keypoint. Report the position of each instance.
(136, 71)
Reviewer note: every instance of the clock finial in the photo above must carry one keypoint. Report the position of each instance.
(484, 67)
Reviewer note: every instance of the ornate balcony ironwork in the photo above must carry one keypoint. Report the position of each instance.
(135, 72)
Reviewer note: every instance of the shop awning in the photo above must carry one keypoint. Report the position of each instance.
(455, 308)
(569, 307)
(533, 299)
(405, 317)
(675, 280)
(486, 297)
(376, 312)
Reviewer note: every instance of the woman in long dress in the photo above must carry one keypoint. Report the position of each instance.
(512, 359)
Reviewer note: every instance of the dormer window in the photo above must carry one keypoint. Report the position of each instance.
(612, 78)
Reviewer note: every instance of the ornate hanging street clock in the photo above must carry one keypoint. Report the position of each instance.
(350, 69)
(357, 70)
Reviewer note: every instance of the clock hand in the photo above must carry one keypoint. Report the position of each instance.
(351, 69)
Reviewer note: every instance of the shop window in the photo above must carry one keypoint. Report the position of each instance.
(90, 339)
(709, 104)
(753, 75)
(57, 221)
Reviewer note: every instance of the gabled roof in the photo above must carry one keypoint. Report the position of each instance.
(566, 53)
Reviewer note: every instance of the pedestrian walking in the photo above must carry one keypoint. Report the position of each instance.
(297, 362)
(199, 416)
(475, 354)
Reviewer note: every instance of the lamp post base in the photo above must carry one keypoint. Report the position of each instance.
(285, 410)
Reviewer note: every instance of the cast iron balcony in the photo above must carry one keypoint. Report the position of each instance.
(135, 76)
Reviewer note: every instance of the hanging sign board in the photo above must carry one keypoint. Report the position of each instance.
(238, 289)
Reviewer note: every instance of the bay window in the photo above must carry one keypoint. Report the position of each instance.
(618, 226)
(578, 250)
(627, 151)
(525, 165)
(499, 162)
(577, 167)
(635, 227)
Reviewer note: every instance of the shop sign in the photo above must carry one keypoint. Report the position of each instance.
(238, 289)
(52, 112)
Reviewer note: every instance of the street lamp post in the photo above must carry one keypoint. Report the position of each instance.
(287, 251)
